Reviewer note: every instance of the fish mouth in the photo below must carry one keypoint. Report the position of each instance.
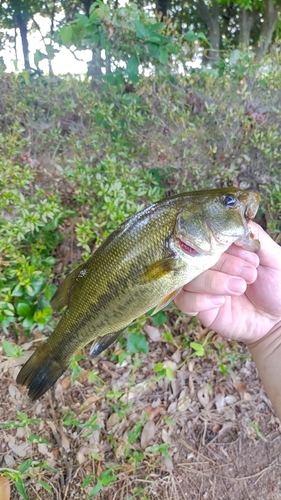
(252, 206)
(187, 248)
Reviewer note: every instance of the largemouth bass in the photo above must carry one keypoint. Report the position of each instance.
(143, 264)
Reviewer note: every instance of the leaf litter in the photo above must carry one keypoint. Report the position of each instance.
(204, 431)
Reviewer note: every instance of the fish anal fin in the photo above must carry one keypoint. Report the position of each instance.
(159, 269)
(62, 296)
(102, 343)
(164, 302)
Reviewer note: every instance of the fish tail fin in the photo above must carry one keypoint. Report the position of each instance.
(40, 372)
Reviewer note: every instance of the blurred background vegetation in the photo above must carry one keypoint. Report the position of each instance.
(177, 96)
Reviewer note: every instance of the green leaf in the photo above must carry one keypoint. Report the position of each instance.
(159, 318)
(158, 367)
(107, 480)
(45, 486)
(24, 309)
(37, 285)
(28, 323)
(198, 348)
(153, 50)
(18, 291)
(93, 7)
(25, 466)
(163, 55)
(12, 350)
(141, 30)
(38, 57)
(155, 27)
(38, 439)
(137, 342)
(50, 51)
(20, 488)
(169, 373)
(88, 480)
(96, 489)
(155, 38)
(49, 291)
(66, 35)
(202, 36)
(190, 36)
(172, 48)
(133, 65)
(234, 57)
(168, 337)
(83, 20)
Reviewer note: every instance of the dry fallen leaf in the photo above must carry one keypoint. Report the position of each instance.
(19, 449)
(148, 433)
(153, 412)
(112, 421)
(204, 396)
(64, 441)
(65, 382)
(166, 435)
(5, 488)
(219, 402)
(167, 463)
(153, 333)
(184, 400)
(14, 392)
(239, 385)
(176, 357)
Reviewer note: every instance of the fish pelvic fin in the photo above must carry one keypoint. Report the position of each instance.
(102, 343)
(62, 296)
(40, 372)
(164, 302)
(159, 269)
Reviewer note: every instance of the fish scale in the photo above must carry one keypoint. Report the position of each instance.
(141, 265)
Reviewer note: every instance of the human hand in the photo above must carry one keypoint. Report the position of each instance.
(240, 297)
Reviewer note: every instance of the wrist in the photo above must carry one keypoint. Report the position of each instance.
(266, 354)
(269, 341)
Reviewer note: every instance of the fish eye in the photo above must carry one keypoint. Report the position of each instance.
(229, 200)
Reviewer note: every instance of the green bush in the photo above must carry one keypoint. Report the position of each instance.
(85, 158)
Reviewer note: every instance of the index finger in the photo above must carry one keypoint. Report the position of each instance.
(269, 252)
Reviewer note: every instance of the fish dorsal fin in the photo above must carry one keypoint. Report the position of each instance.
(62, 296)
(163, 303)
(102, 343)
(159, 269)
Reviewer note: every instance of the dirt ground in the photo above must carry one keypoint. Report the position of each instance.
(221, 437)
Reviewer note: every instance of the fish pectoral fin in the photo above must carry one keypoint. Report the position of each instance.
(159, 269)
(166, 301)
(102, 343)
(62, 296)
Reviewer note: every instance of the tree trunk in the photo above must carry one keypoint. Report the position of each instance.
(95, 65)
(210, 16)
(162, 7)
(269, 24)
(214, 32)
(21, 24)
(16, 50)
(246, 22)
(53, 12)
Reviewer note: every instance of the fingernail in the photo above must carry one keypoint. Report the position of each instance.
(236, 285)
(217, 300)
(248, 273)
